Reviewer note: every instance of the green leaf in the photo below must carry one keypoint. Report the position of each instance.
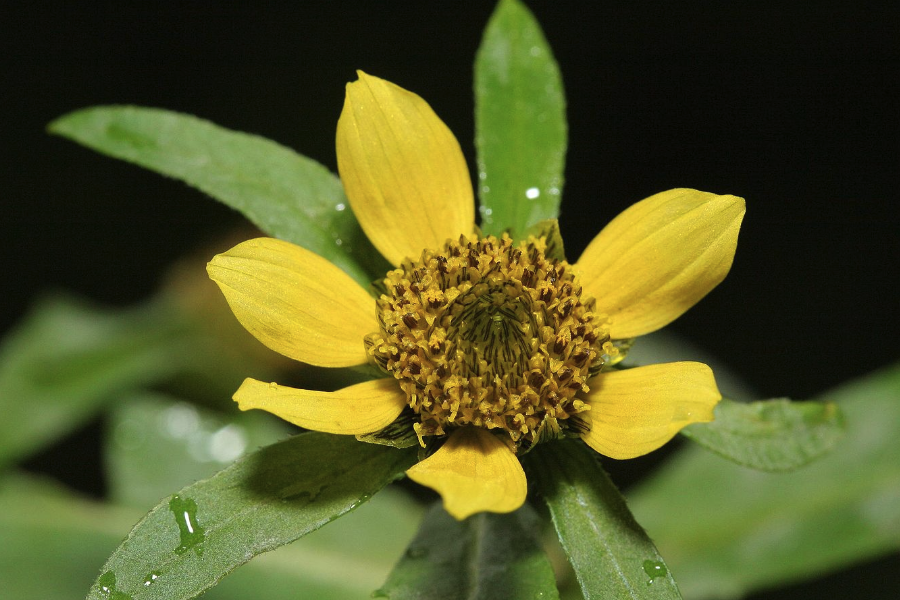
(53, 542)
(520, 123)
(610, 552)
(770, 435)
(285, 194)
(727, 530)
(156, 444)
(67, 359)
(347, 559)
(488, 556)
(268, 499)
(399, 434)
(549, 230)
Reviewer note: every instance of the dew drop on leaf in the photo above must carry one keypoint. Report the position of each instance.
(654, 569)
(107, 583)
(192, 534)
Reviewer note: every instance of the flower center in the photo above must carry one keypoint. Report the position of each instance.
(486, 334)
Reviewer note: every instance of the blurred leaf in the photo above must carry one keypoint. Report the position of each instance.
(67, 359)
(266, 500)
(611, 554)
(770, 435)
(156, 444)
(283, 193)
(53, 543)
(520, 123)
(727, 530)
(488, 556)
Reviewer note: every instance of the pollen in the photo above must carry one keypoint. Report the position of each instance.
(488, 334)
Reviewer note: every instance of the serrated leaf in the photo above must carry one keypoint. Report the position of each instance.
(610, 552)
(487, 556)
(770, 435)
(520, 123)
(66, 359)
(285, 194)
(268, 499)
(727, 530)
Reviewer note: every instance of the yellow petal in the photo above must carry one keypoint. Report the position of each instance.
(473, 472)
(362, 408)
(635, 411)
(403, 171)
(296, 302)
(660, 257)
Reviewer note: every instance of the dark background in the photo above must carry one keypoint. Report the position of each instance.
(792, 105)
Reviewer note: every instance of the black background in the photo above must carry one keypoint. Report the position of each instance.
(792, 105)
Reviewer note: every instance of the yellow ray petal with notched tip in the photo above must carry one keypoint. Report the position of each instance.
(635, 411)
(473, 472)
(362, 408)
(660, 257)
(402, 169)
(296, 302)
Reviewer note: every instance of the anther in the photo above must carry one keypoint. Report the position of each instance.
(527, 277)
(560, 345)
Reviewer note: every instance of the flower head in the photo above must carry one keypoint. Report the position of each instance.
(489, 345)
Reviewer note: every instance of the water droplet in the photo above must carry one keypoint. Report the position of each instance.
(654, 569)
(532, 193)
(339, 241)
(150, 577)
(107, 583)
(340, 206)
(535, 51)
(192, 534)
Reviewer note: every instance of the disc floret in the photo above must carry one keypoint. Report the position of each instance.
(488, 334)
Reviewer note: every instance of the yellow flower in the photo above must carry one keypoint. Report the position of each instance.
(492, 346)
